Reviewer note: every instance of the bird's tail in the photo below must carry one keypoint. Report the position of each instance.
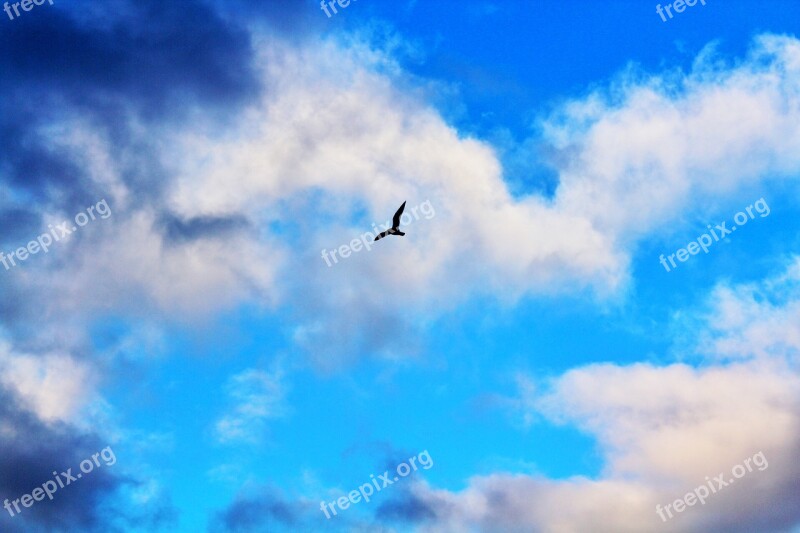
(399, 233)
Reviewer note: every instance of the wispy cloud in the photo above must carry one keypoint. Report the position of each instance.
(255, 397)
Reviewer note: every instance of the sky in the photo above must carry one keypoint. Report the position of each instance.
(571, 336)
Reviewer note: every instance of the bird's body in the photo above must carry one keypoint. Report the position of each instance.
(395, 229)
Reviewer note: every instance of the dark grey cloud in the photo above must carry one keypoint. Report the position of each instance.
(403, 507)
(18, 225)
(130, 69)
(149, 62)
(268, 509)
(406, 509)
(180, 230)
(161, 57)
(265, 511)
(291, 19)
(31, 450)
(153, 66)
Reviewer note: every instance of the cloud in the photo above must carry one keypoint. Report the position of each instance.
(676, 141)
(264, 511)
(328, 135)
(257, 397)
(407, 508)
(158, 56)
(354, 143)
(265, 508)
(52, 418)
(30, 450)
(136, 256)
(754, 321)
(662, 430)
(81, 117)
(54, 386)
(86, 88)
(230, 158)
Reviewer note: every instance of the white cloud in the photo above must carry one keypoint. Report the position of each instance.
(756, 321)
(57, 387)
(674, 142)
(662, 430)
(336, 133)
(333, 125)
(256, 398)
(340, 130)
(128, 262)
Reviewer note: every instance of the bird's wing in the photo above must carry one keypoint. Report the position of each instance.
(396, 219)
(381, 235)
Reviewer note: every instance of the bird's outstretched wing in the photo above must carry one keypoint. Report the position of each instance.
(396, 219)
(381, 236)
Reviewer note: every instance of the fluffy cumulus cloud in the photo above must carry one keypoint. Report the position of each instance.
(329, 136)
(675, 141)
(338, 136)
(663, 431)
(335, 141)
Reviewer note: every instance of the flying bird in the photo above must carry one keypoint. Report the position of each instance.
(395, 229)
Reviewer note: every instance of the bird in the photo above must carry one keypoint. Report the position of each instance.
(395, 229)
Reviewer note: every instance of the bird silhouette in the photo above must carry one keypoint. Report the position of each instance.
(395, 229)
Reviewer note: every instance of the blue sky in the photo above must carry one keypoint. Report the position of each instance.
(523, 333)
